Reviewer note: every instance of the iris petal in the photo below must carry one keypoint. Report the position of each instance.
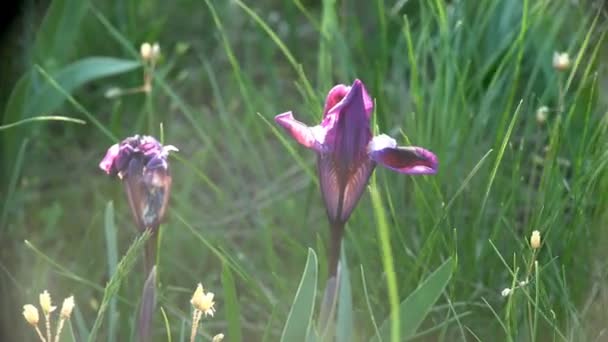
(310, 137)
(408, 160)
(341, 192)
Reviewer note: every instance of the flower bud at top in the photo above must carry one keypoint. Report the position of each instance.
(141, 162)
(561, 61)
(45, 303)
(535, 240)
(31, 314)
(67, 307)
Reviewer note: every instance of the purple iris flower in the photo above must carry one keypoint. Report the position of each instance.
(347, 152)
(141, 162)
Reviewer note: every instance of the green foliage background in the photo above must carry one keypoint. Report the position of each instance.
(461, 78)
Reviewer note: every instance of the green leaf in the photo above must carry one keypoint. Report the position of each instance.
(232, 307)
(45, 98)
(300, 315)
(344, 324)
(58, 31)
(112, 259)
(123, 269)
(418, 304)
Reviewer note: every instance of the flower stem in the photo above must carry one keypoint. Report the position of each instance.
(196, 317)
(47, 318)
(39, 333)
(337, 231)
(59, 328)
(150, 253)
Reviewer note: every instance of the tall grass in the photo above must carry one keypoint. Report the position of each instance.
(464, 79)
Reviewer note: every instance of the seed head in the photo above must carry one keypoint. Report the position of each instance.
(541, 115)
(31, 314)
(535, 240)
(155, 51)
(145, 51)
(67, 307)
(561, 61)
(45, 303)
(203, 301)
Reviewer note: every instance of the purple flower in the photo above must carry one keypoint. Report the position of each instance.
(347, 152)
(141, 162)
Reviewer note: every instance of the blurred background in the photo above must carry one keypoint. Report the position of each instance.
(521, 143)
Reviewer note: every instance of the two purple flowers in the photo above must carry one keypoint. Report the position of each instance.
(347, 154)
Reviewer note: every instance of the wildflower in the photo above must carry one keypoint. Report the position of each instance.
(505, 292)
(141, 162)
(347, 154)
(535, 240)
(45, 303)
(67, 307)
(203, 301)
(31, 314)
(561, 61)
(146, 51)
(541, 114)
(66, 312)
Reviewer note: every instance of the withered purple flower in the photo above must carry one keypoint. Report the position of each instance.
(347, 153)
(141, 162)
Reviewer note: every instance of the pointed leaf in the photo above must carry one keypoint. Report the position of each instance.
(418, 304)
(232, 307)
(344, 325)
(300, 315)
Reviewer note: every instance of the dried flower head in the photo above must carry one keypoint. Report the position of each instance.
(45, 303)
(218, 338)
(141, 162)
(67, 307)
(203, 301)
(31, 314)
(146, 51)
(535, 240)
(561, 61)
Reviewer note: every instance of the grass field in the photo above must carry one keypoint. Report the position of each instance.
(521, 144)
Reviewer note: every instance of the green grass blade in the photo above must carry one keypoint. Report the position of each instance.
(112, 259)
(123, 269)
(387, 262)
(43, 118)
(232, 306)
(300, 315)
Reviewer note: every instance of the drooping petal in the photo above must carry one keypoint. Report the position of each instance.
(108, 161)
(342, 189)
(310, 137)
(408, 160)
